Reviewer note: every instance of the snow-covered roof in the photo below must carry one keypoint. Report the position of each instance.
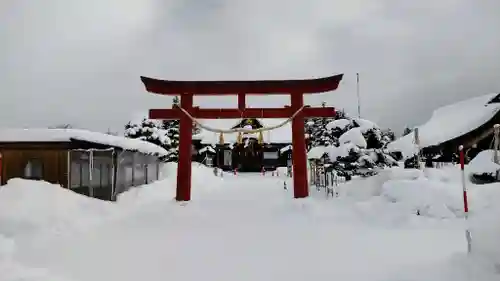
(67, 135)
(279, 135)
(449, 122)
(207, 149)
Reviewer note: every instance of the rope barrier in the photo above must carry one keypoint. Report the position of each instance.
(242, 130)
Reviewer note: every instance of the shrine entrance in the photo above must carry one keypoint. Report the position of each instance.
(295, 113)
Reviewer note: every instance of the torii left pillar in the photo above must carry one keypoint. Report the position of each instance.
(183, 191)
(295, 88)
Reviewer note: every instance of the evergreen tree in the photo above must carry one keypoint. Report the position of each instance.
(356, 146)
(171, 128)
(147, 130)
(407, 131)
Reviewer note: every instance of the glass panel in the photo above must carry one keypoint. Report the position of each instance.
(152, 172)
(85, 174)
(227, 158)
(105, 175)
(270, 155)
(139, 173)
(96, 175)
(75, 174)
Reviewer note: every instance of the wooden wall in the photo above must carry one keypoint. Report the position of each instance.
(54, 163)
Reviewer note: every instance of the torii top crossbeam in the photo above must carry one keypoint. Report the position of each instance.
(267, 87)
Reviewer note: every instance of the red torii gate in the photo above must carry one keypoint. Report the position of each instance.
(295, 88)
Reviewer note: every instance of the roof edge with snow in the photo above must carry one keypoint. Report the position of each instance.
(46, 135)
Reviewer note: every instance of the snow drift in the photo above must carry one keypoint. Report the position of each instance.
(29, 207)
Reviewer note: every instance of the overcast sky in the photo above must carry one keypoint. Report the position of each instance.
(79, 61)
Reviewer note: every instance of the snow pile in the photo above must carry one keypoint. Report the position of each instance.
(399, 193)
(340, 124)
(365, 125)
(424, 197)
(449, 122)
(202, 180)
(485, 225)
(483, 163)
(354, 136)
(31, 207)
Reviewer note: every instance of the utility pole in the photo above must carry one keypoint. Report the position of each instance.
(357, 94)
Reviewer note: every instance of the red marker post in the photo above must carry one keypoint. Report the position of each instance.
(464, 194)
(464, 187)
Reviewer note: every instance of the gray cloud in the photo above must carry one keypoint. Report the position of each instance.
(80, 61)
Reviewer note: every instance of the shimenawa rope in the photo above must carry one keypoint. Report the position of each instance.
(242, 130)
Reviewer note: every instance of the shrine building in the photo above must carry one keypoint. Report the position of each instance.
(244, 152)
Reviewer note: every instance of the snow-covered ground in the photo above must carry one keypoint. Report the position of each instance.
(248, 227)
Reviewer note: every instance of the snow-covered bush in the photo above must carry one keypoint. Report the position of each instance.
(352, 146)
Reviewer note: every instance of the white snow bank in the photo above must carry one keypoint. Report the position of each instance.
(485, 225)
(449, 122)
(202, 180)
(365, 125)
(355, 136)
(425, 197)
(397, 192)
(483, 163)
(30, 207)
(66, 135)
(339, 123)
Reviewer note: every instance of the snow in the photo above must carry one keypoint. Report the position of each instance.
(66, 135)
(248, 227)
(205, 149)
(483, 163)
(286, 148)
(449, 122)
(339, 123)
(354, 136)
(365, 125)
(278, 135)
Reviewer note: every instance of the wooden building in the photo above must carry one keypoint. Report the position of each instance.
(94, 164)
(268, 150)
(468, 122)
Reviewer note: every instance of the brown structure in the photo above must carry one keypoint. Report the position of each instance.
(94, 164)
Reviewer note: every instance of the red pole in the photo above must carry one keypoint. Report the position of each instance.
(300, 188)
(464, 188)
(183, 192)
(468, 236)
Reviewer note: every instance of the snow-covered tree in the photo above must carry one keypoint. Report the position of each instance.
(163, 133)
(171, 128)
(407, 130)
(148, 130)
(353, 146)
